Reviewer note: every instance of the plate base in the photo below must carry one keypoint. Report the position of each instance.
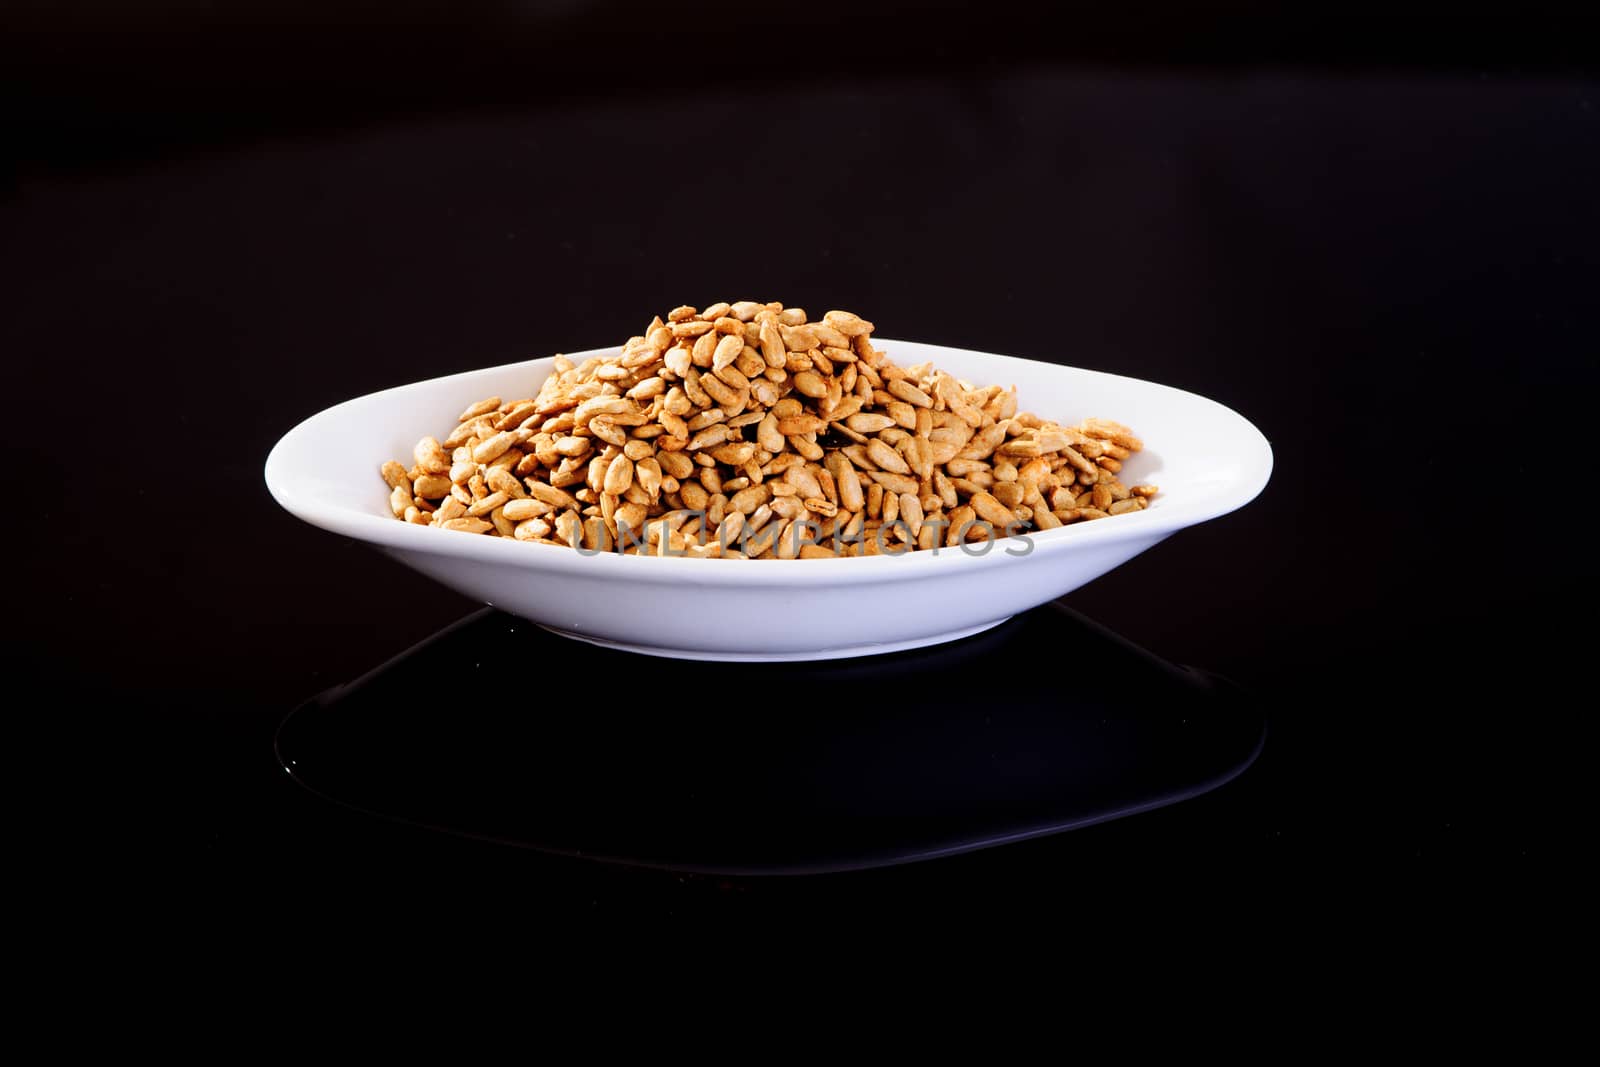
(849, 652)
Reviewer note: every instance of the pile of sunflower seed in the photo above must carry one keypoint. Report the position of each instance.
(746, 430)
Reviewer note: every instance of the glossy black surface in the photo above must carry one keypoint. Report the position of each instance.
(772, 768)
(1387, 263)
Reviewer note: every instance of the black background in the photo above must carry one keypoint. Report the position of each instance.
(1375, 238)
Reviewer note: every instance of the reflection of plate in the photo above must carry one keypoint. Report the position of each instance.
(905, 756)
(1207, 460)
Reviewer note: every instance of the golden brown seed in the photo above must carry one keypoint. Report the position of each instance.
(886, 458)
(650, 387)
(708, 417)
(600, 405)
(458, 436)
(849, 483)
(675, 424)
(693, 328)
(803, 481)
(990, 510)
(869, 422)
(769, 434)
(395, 474)
(730, 529)
(772, 349)
(798, 338)
(432, 486)
(676, 464)
(727, 350)
(693, 387)
(551, 495)
(400, 500)
(1008, 493)
(827, 336)
(605, 430)
(803, 444)
(1113, 431)
(735, 380)
(468, 525)
(431, 457)
(911, 512)
(619, 475)
(894, 483)
(708, 437)
(734, 453)
(521, 413)
(810, 383)
(572, 447)
(874, 502)
(647, 476)
(518, 510)
(848, 324)
(749, 362)
(1078, 461)
(904, 414)
(694, 495)
(482, 407)
(507, 459)
(958, 528)
(494, 446)
(764, 391)
(984, 442)
(819, 506)
(800, 424)
(910, 394)
(746, 501)
(486, 504)
(704, 348)
(632, 515)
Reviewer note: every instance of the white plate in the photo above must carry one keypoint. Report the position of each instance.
(1207, 459)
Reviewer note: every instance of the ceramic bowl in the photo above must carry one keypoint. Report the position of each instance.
(1207, 460)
